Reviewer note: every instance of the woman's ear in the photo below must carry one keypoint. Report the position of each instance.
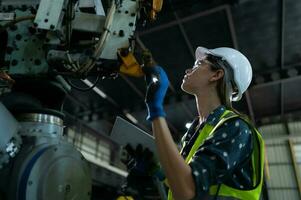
(216, 75)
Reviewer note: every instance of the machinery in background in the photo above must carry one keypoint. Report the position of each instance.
(43, 44)
(74, 38)
(37, 163)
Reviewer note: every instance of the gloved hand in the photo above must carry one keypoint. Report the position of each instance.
(143, 169)
(139, 182)
(147, 58)
(139, 160)
(157, 85)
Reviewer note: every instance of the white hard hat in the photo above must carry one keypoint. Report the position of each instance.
(242, 70)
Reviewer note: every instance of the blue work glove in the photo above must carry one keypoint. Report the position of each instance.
(157, 85)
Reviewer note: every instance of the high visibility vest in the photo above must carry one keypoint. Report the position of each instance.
(257, 157)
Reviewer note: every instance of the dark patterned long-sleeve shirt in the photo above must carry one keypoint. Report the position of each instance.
(224, 157)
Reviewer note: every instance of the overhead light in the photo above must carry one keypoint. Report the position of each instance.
(96, 89)
(131, 117)
(187, 125)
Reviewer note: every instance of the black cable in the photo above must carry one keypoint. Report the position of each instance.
(83, 89)
(217, 191)
(123, 189)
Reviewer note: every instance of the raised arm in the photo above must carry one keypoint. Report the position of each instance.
(178, 173)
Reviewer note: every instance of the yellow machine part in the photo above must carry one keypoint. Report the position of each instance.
(125, 198)
(157, 6)
(130, 66)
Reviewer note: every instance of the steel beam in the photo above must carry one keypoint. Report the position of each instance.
(190, 48)
(286, 74)
(184, 34)
(183, 20)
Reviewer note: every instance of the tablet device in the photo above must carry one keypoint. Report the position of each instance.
(124, 133)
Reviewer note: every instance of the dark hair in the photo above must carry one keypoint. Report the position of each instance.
(225, 86)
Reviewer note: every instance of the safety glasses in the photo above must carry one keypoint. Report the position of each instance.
(201, 62)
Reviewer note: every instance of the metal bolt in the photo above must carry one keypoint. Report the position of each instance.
(131, 24)
(29, 182)
(14, 62)
(52, 26)
(121, 33)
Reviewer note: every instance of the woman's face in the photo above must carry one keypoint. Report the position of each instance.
(198, 77)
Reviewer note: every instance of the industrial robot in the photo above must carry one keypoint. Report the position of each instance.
(44, 44)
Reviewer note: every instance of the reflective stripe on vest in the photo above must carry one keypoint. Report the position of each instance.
(257, 160)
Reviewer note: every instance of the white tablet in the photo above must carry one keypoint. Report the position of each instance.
(124, 133)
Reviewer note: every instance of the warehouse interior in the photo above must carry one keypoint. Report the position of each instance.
(267, 32)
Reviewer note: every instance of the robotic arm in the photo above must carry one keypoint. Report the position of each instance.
(70, 37)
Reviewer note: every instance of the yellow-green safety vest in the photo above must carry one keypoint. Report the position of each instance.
(257, 160)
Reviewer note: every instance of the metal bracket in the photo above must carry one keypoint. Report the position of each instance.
(49, 14)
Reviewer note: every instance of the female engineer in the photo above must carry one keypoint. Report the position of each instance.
(222, 152)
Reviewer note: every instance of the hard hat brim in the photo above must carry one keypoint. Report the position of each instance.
(202, 52)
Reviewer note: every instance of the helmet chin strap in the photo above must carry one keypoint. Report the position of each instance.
(229, 89)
